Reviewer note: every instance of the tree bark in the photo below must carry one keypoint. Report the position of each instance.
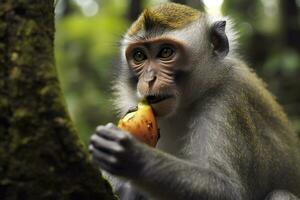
(180, 1)
(198, 4)
(41, 156)
(134, 9)
(290, 23)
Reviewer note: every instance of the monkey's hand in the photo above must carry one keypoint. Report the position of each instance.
(117, 151)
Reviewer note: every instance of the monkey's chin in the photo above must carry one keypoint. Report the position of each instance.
(164, 108)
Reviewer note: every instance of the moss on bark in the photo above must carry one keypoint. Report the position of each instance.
(41, 156)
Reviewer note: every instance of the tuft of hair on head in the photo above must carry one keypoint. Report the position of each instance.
(165, 16)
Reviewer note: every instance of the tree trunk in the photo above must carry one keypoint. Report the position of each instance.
(134, 9)
(41, 156)
(198, 4)
(290, 23)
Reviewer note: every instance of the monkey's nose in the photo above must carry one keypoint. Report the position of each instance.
(150, 77)
(151, 82)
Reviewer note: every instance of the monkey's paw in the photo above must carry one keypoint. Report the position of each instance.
(116, 151)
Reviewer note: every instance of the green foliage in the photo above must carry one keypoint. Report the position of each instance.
(86, 51)
(287, 61)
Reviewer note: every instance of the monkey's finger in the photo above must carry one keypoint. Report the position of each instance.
(111, 133)
(104, 161)
(100, 155)
(105, 166)
(111, 126)
(105, 145)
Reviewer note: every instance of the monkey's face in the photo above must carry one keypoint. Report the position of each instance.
(171, 56)
(155, 65)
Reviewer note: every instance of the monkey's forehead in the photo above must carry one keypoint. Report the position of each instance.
(168, 16)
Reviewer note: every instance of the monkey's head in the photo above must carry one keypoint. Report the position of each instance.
(170, 56)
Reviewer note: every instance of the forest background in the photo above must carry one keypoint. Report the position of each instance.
(88, 32)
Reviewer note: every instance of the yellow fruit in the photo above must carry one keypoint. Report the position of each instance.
(141, 123)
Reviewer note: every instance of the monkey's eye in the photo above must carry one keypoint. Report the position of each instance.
(166, 52)
(139, 56)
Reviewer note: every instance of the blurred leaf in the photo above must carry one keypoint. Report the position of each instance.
(288, 61)
(86, 49)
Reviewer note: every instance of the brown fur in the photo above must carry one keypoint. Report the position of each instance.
(167, 16)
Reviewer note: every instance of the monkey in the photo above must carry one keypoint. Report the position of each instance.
(223, 136)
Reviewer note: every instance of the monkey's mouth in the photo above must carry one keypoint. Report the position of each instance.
(152, 99)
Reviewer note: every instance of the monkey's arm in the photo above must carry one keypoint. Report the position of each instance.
(158, 173)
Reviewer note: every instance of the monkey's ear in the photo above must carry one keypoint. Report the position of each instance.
(219, 39)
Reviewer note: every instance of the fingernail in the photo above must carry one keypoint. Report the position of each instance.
(99, 128)
(91, 147)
